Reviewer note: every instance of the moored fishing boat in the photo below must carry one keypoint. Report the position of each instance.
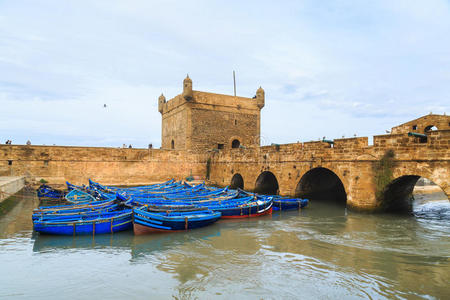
(45, 191)
(43, 215)
(252, 208)
(280, 203)
(78, 196)
(86, 224)
(73, 207)
(149, 220)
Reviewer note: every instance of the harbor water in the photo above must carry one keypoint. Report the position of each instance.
(321, 252)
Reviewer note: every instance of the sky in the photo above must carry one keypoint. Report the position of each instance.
(330, 68)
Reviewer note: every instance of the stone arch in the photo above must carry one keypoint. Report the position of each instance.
(267, 183)
(398, 195)
(321, 184)
(235, 144)
(237, 181)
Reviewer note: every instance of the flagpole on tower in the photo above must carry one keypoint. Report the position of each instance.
(234, 82)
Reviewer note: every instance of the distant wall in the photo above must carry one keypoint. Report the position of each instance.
(441, 122)
(56, 164)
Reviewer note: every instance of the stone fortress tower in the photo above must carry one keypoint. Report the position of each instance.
(202, 121)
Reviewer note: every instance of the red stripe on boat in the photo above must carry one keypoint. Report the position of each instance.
(267, 212)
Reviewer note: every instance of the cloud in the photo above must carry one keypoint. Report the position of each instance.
(328, 68)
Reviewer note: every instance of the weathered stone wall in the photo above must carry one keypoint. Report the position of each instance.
(175, 128)
(57, 164)
(211, 128)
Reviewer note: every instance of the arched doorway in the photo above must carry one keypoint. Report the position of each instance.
(405, 192)
(267, 184)
(237, 181)
(235, 144)
(321, 184)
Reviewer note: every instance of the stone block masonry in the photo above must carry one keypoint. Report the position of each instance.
(57, 164)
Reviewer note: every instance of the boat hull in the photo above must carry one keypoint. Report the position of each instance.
(250, 211)
(145, 222)
(97, 226)
(239, 216)
(279, 204)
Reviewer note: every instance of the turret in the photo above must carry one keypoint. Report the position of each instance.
(161, 102)
(187, 89)
(260, 97)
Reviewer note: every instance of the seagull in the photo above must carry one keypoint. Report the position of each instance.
(104, 105)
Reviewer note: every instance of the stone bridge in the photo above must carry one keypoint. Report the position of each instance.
(381, 176)
(349, 171)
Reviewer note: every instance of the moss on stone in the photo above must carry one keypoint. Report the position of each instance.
(383, 173)
(208, 168)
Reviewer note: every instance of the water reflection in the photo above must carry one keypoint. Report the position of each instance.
(313, 253)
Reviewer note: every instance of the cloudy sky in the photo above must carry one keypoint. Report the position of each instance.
(329, 68)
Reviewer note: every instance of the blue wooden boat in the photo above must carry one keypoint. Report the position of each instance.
(78, 196)
(86, 224)
(71, 186)
(43, 215)
(146, 220)
(280, 203)
(45, 191)
(251, 208)
(73, 207)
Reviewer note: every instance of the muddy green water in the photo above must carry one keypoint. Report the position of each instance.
(322, 252)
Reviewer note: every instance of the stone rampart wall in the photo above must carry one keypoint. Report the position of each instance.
(56, 164)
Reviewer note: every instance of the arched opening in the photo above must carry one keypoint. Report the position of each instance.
(172, 144)
(267, 184)
(398, 195)
(430, 128)
(235, 144)
(237, 181)
(321, 184)
(405, 193)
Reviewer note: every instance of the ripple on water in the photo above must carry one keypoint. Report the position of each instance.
(435, 210)
(319, 252)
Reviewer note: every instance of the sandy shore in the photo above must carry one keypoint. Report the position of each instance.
(427, 189)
